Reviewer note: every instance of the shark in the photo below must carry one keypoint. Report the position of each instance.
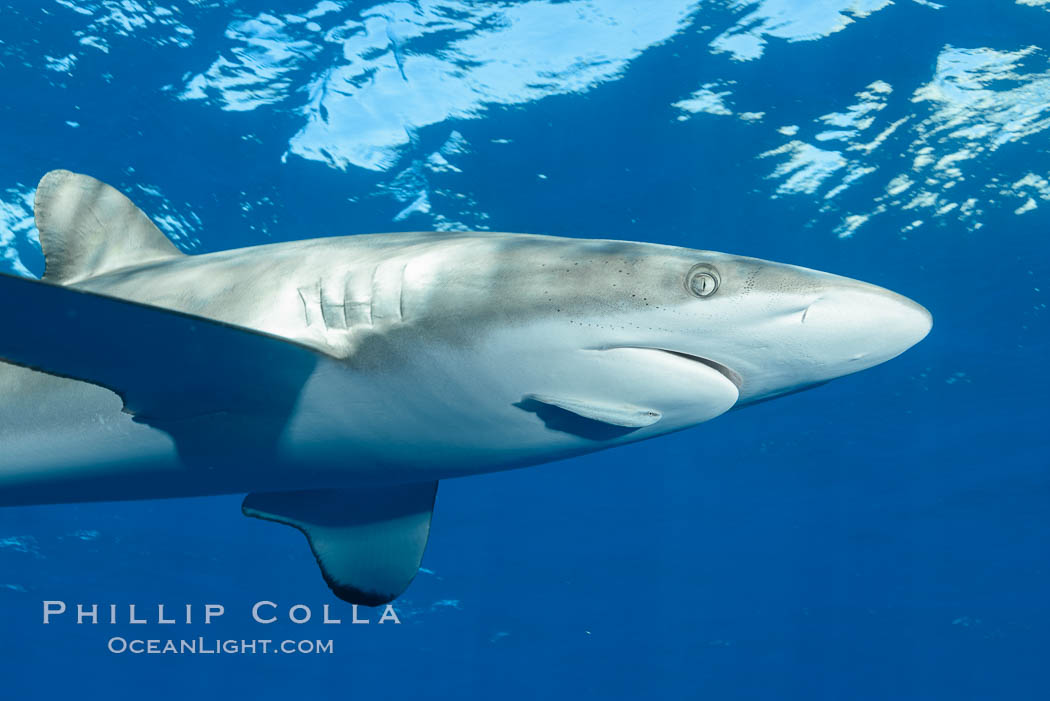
(336, 381)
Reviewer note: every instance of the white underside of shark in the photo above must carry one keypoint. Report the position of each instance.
(338, 380)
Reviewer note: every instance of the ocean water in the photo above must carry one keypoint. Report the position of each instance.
(885, 536)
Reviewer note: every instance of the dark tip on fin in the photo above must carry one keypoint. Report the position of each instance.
(368, 542)
(359, 597)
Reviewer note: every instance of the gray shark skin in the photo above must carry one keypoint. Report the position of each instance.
(337, 380)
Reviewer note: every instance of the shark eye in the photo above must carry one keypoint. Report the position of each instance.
(702, 281)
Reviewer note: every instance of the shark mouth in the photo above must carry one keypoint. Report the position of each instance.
(726, 372)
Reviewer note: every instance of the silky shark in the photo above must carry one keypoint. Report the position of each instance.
(337, 380)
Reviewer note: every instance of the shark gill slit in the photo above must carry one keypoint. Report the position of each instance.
(387, 285)
(306, 307)
(357, 307)
(401, 293)
(373, 291)
(333, 310)
(309, 296)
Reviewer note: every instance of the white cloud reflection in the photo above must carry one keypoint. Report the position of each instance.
(16, 224)
(109, 19)
(978, 101)
(790, 20)
(361, 83)
(400, 66)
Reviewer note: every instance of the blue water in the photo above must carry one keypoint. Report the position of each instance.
(883, 537)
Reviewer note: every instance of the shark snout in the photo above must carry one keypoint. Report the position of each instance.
(864, 325)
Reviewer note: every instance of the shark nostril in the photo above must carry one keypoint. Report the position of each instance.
(863, 323)
(805, 312)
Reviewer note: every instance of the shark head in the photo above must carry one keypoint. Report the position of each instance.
(770, 328)
(644, 337)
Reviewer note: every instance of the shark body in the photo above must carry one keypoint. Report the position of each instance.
(338, 380)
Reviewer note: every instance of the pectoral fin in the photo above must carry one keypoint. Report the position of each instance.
(166, 365)
(369, 542)
(613, 413)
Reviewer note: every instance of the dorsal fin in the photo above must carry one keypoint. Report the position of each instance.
(88, 228)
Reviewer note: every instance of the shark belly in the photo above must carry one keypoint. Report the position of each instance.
(399, 412)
